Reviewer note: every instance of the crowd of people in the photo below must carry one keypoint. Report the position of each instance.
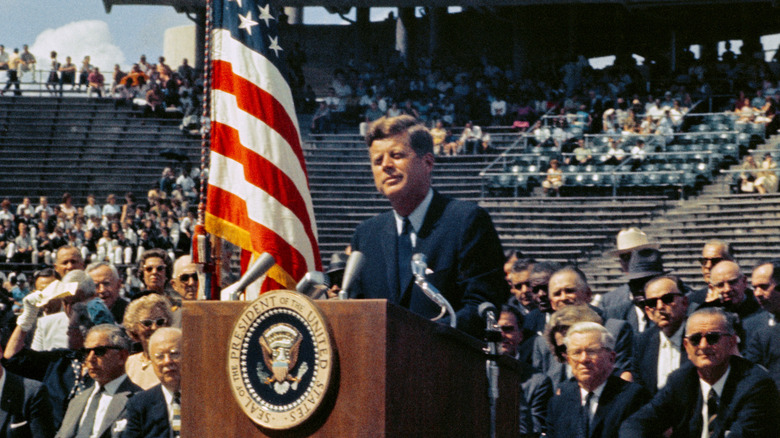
(643, 359)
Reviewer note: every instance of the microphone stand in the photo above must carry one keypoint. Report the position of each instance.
(492, 337)
(419, 266)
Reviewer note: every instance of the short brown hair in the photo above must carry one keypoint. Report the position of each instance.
(415, 133)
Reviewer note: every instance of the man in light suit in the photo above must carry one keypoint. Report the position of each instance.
(628, 241)
(152, 413)
(659, 351)
(596, 402)
(718, 394)
(464, 255)
(93, 412)
(25, 411)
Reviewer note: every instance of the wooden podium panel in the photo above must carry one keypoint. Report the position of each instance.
(397, 375)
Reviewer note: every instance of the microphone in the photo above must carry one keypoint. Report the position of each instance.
(354, 264)
(313, 284)
(257, 270)
(487, 310)
(420, 269)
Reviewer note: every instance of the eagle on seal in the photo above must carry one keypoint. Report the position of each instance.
(281, 344)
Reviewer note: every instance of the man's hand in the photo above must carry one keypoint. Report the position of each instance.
(29, 315)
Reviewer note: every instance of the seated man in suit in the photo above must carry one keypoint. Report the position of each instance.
(628, 240)
(25, 410)
(537, 388)
(727, 280)
(659, 350)
(93, 412)
(713, 252)
(538, 281)
(597, 401)
(764, 345)
(155, 412)
(458, 238)
(717, 394)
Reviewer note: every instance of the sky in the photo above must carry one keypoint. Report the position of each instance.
(82, 27)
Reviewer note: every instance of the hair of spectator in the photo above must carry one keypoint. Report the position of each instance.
(728, 255)
(729, 319)
(96, 265)
(775, 269)
(86, 284)
(145, 305)
(79, 314)
(116, 335)
(582, 280)
(522, 264)
(561, 320)
(516, 253)
(415, 134)
(162, 331)
(160, 254)
(43, 273)
(514, 311)
(607, 340)
(677, 281)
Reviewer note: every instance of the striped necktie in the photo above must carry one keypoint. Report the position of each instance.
(176, 421)
(712, 411)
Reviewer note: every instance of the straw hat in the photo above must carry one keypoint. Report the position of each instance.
(629, 240)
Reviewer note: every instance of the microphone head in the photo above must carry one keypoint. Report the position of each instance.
(354, 264)
(485, 308)
(257, 270)
(312, 283)
(419, 264)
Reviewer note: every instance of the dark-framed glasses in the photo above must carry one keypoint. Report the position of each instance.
(159, 321)
(184, 278)
(711, 337)
(667, 299)
(99, 351)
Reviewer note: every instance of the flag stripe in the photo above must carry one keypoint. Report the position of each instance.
(271, 214)
(259, 104)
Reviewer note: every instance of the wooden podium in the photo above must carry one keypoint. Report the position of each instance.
(398, 375)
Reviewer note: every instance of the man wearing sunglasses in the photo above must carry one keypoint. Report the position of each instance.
(93, 412)
(658, 351)
(185, 278)
(713, 252)
(718, 394)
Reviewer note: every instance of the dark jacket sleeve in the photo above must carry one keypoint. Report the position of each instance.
(31, 364)
(134, 415)
(38, 411)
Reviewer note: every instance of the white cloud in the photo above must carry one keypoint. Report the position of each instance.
(78, 39)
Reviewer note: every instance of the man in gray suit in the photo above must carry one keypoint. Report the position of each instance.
(92, 413)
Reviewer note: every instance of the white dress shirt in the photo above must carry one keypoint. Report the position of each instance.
(594, 401)
(669, 352)
(105, 399)
(705, 390)
(416, 217)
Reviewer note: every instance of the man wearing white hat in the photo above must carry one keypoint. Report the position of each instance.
(628, 240)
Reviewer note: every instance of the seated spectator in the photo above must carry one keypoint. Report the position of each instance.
(86, 69)
(614, 154)
(766, 181)
(68, 73)
(96, 82)
(142, 318)
(53, 80)
(747, 177)
(185, 71)
(471, 138)
(439, 134)
(638, 155)
(498, 110)
(554, 181)
(582, 153)
(116, 79)
(322, 121)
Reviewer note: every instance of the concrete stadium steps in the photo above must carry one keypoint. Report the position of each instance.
(51, 145)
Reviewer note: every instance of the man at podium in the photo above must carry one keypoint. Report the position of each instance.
(463, 252)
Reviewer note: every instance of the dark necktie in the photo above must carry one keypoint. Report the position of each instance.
(176, 421)
(85, 429)
(712, 411)
(405, 249)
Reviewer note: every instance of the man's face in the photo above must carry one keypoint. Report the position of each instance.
(106, 285)
(765, 289)
(539, 282)
(185, 282)
(154, 274)
(665, 305)
(511, 335)
(399, 173)
(165, 354)
(68, 259)
(728, 282)
(711, 254)
(590, 362)
(103, 366)
(565, 289)
(705, 355)
(42, 282)
(521, 288)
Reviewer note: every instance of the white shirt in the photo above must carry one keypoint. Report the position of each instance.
(2, 380)
(51, 332)
(705, 390)
(416, 217)
(105, 399)
(168, 395)
(641, 319)
(669, 352)
(594, 401)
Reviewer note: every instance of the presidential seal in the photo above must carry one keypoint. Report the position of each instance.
(280, 361)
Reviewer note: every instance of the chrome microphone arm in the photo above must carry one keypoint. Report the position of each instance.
(419, 267)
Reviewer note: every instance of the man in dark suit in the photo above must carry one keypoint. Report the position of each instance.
(538, 281)
(462, 248)
(659, 350)
(25, 411)
(765, 278)
(731, 286)
(597, 401)
(154, 413)
(717, 394)
(713, 252)
(107, 348)
(764, 346)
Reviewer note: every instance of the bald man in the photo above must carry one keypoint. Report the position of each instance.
(185, 278)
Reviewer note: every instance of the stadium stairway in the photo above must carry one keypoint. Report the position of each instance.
(749, 222)
(51, 145)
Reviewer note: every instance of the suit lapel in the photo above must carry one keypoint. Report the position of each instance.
(117, 405)
(73, 414)
(390, 250)
(13, 386)
(652, 353)
(610, 390)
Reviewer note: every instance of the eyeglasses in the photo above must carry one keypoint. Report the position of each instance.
(158, 268)
(518, 286)
(508, 328)
(667, 299)
(99, 351)
(173, 354)
(711, 337)
(184, 278)
(713, 260)
(589, 352)
(731, 282)
(148, 322)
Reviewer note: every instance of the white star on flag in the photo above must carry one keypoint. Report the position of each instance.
(247, 22)
(274, 45)
(265, 14)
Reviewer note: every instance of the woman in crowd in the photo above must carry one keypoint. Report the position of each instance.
(142, 318)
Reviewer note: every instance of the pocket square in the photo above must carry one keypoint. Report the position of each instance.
(16, 425)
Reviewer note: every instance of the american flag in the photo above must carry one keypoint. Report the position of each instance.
(258, 192)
